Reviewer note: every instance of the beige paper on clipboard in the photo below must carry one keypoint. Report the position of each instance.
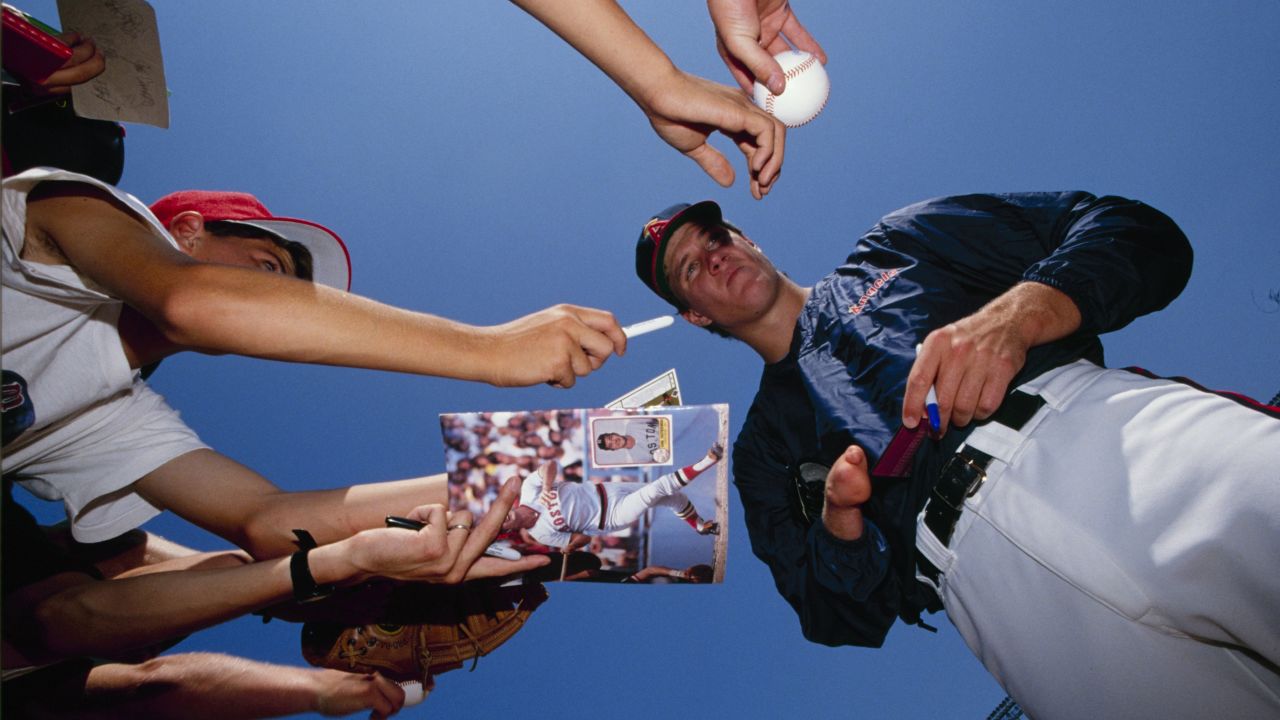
(132, 88)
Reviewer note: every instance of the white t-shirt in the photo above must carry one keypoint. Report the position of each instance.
(79, 425)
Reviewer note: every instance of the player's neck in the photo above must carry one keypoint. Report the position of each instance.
(770, 336)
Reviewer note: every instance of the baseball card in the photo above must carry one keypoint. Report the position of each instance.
(631, 440)
(627, 496)
(661, 391)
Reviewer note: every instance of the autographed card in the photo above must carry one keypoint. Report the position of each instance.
(132, 88)
(626, 495)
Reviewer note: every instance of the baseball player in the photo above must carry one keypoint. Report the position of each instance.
(565, 515)
(1101, 539)
(641, 443)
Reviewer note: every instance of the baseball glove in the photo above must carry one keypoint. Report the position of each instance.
(458, 623)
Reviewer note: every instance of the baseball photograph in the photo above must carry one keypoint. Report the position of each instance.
(622, 495)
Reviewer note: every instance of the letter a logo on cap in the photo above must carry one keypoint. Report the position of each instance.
(655, 228)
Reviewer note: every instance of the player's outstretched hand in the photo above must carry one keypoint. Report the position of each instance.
(556, 346)
(342, 693)
(715, 453)
(685, 109)
(750, 32)
(86, 63)
(848, 487)
(448, 549)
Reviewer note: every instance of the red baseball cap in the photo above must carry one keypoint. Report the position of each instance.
(331, 264)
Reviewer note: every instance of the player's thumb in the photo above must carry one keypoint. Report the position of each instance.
(855, 455)
(713, 164)
(758, 62)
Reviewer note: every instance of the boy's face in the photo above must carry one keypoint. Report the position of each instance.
(257, 253)
(720, 274)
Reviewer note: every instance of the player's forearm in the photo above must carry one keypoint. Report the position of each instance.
(604, 34)
(844, 523)
(1033, 312)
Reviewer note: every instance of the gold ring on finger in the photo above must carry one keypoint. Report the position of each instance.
(459, 526)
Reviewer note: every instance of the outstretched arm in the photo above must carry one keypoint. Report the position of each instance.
(223, 309)
(71, 614)
(232, 501)
(683, 109)
(193, 686)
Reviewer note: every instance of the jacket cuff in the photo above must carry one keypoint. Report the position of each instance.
(851, 568)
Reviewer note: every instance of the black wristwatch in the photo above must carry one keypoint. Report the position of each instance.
(305, 588)
(809, 490)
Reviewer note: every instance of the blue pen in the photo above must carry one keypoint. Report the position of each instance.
(931, 404)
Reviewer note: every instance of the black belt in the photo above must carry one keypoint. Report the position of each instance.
(965, 472)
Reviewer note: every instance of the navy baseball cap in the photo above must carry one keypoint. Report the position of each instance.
(652, 245)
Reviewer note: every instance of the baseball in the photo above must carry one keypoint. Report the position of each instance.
(413, 692)
(806, 92)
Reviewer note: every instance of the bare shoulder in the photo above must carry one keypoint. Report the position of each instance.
(60, 211)
(64, 215)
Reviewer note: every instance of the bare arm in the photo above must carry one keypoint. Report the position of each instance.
(71, 614)
(191, 686)
(236, 503)
(224, 309)
(683, 109)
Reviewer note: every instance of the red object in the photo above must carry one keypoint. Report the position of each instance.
(31, 54)
(331, 264)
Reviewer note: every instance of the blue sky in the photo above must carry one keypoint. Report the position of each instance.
(480, 169)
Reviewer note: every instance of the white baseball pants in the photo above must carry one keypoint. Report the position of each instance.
(1122, 559)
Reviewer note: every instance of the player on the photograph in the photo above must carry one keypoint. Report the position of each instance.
(566, 514)
(618, 449)
(614, 441)
(640, 443)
